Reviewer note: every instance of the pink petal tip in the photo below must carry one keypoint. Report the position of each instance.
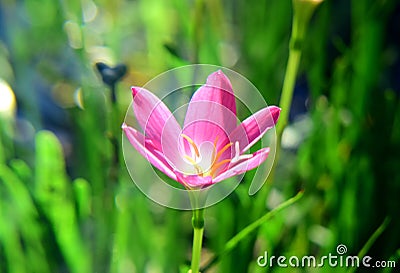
(135, 90)
(275, 112)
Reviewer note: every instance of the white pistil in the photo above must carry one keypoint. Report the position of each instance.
(196, 157)
(193, 147)
(237, 156)
(216, 164)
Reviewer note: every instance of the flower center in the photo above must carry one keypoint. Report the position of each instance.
(204, 161)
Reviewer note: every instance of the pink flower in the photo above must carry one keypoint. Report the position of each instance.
(211, 146)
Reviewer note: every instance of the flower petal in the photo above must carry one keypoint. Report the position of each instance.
(212, 110)
(245, 165)
(159, 125)
(194, 181)
(254, 127)
(148, 151)
(155, 118)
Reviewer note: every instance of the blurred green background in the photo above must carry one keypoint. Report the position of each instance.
(67, 203)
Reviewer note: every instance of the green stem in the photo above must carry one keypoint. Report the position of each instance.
(285, 103)
(198, 229)
(303, 10)
(288, 88)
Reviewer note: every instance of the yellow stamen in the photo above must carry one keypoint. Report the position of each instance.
(191, 142)
(220, 152)
(215, 149)
(215, 167)
(195, 165)
(191, 160)
(215, 157)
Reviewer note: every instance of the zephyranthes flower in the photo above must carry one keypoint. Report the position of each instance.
(211, 146)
